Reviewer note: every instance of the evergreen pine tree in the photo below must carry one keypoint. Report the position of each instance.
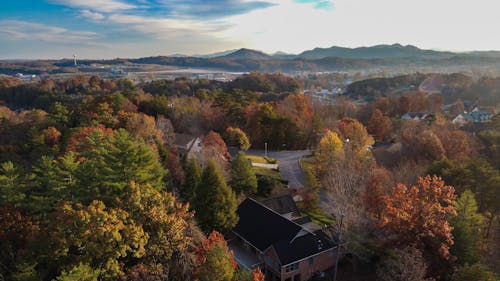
(243, 178)
(192, 172)
(215, 202)
(467, 227)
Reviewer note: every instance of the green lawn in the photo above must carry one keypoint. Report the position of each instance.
(256, 159)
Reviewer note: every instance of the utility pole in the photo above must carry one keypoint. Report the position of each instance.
(265, 149)
(338, 248)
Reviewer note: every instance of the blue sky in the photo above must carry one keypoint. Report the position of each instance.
(137, 28)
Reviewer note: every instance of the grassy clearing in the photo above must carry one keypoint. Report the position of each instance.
(309, 169)
(256, 159)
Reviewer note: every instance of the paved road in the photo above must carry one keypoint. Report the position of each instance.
(288, 164)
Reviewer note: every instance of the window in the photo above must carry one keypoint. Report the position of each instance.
(311, 260)
(292, 267)
(332, 252)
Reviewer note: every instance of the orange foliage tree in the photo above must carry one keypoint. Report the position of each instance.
(376, 190)
(216, 260)
(380, 126)
(418, 215)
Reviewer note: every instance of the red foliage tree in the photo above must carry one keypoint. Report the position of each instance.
(78, 141)
(51, 135)
(214, 142)
(380, 125)
(258, 275)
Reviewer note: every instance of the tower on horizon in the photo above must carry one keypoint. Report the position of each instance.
(74, 59)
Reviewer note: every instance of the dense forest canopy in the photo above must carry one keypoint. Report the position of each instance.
(93, 185)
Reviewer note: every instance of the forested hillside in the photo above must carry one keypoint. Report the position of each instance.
(94, 184)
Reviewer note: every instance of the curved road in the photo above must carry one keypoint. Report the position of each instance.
(289, 165)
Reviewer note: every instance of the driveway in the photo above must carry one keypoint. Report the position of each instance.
(289, 165)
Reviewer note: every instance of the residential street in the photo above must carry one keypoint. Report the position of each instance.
(289, 165)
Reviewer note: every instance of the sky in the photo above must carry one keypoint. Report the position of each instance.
(102, 29)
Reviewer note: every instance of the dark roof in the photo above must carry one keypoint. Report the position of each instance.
(262, 226)
(282, 205)
(183, 139)
(302, 247)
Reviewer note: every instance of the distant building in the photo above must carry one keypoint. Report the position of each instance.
(417, 116)
(118, 71)
(25, 77)
(476, 116)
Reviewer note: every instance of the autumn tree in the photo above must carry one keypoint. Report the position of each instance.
(215, 202)
(376, 190)
(455, 144)
(345, 184)
(380, 126)
(355, 135)
(216, 261)
(18, 233)
(330, 149)
(51, 136)
(430, 146)
(243, 178)
(164, 220)
(81, 272)
(214, 149)
(242, 274)
(236, 137)
(405, 264)
(79, 141)
(418, 215)
(166, 128)
(467, 229)
(142, 126)
(403, 105)
(78, 230)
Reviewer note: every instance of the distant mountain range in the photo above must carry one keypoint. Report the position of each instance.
(379, 51)
(373, 52)
(246, 54)
(396, 56)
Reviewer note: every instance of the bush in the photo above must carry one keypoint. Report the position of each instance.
(266, 184)
(271, 160)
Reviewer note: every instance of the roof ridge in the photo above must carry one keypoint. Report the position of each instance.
(301, 228)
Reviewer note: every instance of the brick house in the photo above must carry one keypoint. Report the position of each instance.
(286, 249)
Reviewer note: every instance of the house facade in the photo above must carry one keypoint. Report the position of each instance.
(188, 146)
(285, 246)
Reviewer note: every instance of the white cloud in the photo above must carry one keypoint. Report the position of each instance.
(443, 24)
(97, 5)
(24, 30)
(92, 15)
(165, 28)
